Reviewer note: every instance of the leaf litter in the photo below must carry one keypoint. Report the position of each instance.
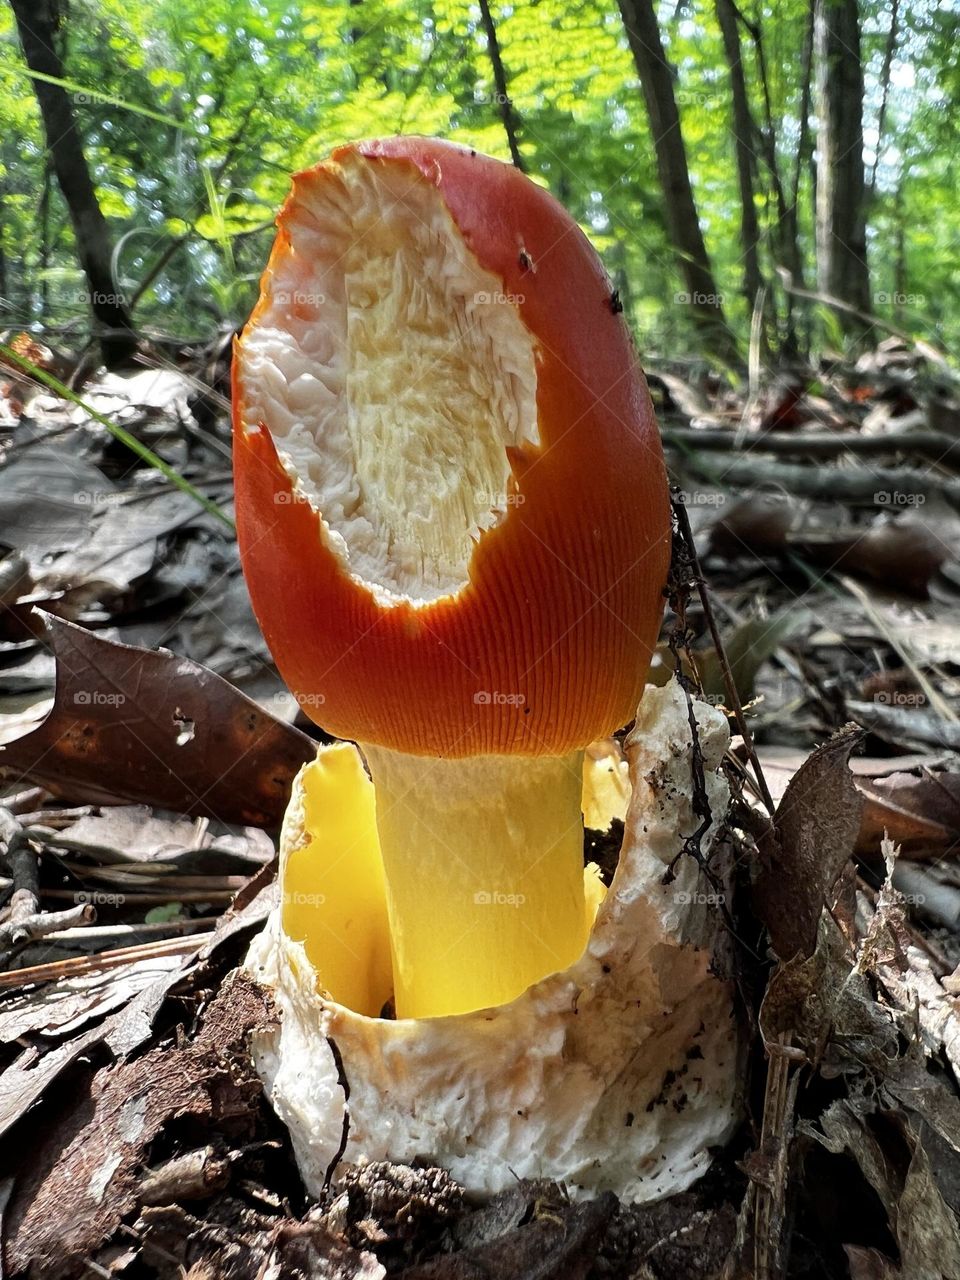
(137, 1139)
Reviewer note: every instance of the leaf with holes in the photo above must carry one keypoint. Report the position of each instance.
(131, 724)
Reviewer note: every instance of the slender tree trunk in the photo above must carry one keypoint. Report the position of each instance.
(617, 262)
(43, 217)
(803, 142)
(785, 232)
(6, 303)
(900, 260)
(743, 129)
(504, 104)
(804, 159)
(37, 25)
(683, 224)
(841, 202)
(888, 52)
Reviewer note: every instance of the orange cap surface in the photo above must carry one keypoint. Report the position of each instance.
(548, 644)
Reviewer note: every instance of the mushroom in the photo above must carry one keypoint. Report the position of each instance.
(618, 1073)
(454, 523)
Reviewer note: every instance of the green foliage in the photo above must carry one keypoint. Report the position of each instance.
(194, 114)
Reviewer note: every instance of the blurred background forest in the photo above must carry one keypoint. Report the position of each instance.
(787, 171)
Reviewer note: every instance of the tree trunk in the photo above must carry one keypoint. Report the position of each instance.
(683, 224)
(504, 104)
(804, 159)
(900, 259)
(888, 52)
(743, 130)
(785, 233)
(803, 143)
(841, 203)
(6, 302)
(37, 26)
(43, 218)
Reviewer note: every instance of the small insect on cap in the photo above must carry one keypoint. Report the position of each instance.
(451, 496)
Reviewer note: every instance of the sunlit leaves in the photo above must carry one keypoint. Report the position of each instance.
(270, 87)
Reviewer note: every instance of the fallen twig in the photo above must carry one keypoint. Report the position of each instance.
(934, 446)
(912, 725)
(43, 923)
(771, 1169)
(192, 1176)
(76, 965)
(844, 484)
(20, 855)
(95, 934)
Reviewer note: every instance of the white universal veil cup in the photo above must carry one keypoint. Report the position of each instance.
(618, 1073)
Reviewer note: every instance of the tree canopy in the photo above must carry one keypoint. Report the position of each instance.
(193, 115)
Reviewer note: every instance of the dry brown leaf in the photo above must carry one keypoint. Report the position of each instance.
(900, 553)
(559, 1243)
(816, 823)
(758, 524)
(907, 726)
(870, 1264)
(921, 815)
(131, 724)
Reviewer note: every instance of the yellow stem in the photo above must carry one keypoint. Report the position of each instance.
(483, 859)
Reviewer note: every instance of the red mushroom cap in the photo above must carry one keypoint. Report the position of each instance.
(546, 644)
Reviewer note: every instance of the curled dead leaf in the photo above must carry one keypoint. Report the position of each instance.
(816, 825)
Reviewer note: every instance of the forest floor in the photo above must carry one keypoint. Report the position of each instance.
(143, 793)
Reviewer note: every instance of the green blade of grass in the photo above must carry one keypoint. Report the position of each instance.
(96, 96)
(118, 432)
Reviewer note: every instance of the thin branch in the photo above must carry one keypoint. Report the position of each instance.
(935, 446)
(730, 685)
(504, 104)
(78, 965)
(37, 926)
(888, 53)
(806, 71)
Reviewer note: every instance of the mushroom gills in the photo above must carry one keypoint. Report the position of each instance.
(394, 375)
